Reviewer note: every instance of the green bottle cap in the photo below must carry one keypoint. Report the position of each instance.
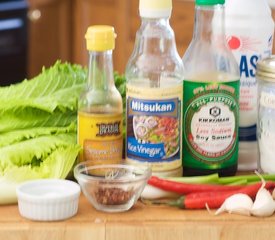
(209, 2)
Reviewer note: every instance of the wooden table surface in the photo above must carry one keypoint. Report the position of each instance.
(142, 222)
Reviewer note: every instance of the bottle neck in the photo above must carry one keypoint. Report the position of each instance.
(155, 36)
(209, 23)
(100, 73)
(155, 21)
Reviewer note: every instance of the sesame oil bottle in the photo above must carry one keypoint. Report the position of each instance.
(100, 106)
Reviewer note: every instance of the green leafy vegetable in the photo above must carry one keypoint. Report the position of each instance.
(33, 150)
(120, 82)
(59, 77)
(9, 138)
(38, 127)
(50, 99)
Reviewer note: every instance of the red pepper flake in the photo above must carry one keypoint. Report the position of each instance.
(113, 196)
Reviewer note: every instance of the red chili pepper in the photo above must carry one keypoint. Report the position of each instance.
(185, 188)
(215, 199)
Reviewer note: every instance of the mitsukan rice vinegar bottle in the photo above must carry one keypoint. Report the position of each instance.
(211, 96)
(154, 89)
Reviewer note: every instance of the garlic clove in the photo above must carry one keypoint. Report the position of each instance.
(273, 194)
(238, 203)
(264, 205)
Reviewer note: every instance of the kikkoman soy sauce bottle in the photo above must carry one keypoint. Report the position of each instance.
(100, 106)
(211, 96)
(154, 88)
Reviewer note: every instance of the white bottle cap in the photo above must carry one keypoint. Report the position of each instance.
(155, 8)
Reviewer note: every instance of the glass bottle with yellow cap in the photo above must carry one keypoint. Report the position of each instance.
(154, 87)
(100, 106)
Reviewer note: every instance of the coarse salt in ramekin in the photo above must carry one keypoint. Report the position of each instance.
(48, 199)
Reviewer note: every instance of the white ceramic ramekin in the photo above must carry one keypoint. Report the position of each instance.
(48, 199)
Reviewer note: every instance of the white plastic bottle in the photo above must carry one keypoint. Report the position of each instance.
(249, 29)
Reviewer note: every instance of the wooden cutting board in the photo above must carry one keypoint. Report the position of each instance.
(142, 222)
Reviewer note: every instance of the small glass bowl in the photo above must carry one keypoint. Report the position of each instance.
(114, 187)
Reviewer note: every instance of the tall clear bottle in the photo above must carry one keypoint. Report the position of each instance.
(100, 109)
(211, 96)
(154, 75)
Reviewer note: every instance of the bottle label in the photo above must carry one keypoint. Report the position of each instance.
(266, 130)
(267, 100)
(248, 47)
(154, 126)
(100, 136)
(210, 124)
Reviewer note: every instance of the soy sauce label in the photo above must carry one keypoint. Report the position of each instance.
(154, 127)
(211, 117)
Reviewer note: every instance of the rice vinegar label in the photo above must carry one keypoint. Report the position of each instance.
(154, 126)
(100, 136)
(211, 115)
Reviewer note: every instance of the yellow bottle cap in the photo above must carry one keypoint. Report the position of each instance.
(100, 38)
(155, 8)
